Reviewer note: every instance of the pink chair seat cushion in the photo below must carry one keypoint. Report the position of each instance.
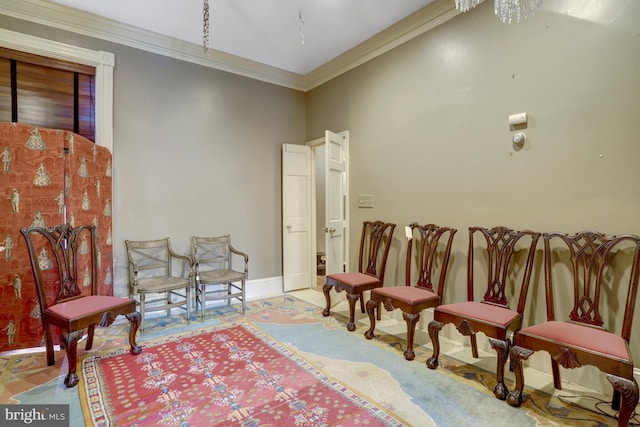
(86, 306)
(477, 310)
(409, 295)
(581, 336)
(353, 280)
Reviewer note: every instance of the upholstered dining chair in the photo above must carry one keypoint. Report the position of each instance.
(599, 274)
(67, 265)
(430, 260)
(494, 315)
(375, 243)
(151, 266)
(215, 277)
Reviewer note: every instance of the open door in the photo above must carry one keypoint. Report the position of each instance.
(298, 210)
(296, 217)
(336, 187)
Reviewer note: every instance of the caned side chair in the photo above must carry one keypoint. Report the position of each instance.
(215, 275)
(151, 273)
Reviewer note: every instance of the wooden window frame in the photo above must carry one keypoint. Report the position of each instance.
(102, 61)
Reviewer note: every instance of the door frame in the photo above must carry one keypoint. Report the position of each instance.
(313, 144)
(311, 243)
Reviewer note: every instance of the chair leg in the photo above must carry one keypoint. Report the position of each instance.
(244, 308)
(371, 309)
(90, 330)
(188, 303)
(411, 319)
(48, 342)
(465, 329)
(502, 350)
(362, 304)
(325, 290)
(434, 331)
(200, 299)
(474, 346)
(134, 324)
(70, 341)
(168, 302)
(557, 382)
(628, 390)
(516, 356)
(352, 298)
(141, 313)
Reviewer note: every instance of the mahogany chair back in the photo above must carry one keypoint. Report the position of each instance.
(601, 276)
(64, 261)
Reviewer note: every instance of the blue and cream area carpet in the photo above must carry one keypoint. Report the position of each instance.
(455, 394)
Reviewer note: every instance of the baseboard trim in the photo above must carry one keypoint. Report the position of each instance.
(263, 288)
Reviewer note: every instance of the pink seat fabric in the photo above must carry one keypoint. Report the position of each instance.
(581, 336)
(409, 294)
(352, 279)
(86, 306)
(481, 311)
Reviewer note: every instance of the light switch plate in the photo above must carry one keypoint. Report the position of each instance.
(365, 201)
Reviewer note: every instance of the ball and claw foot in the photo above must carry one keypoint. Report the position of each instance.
(500, 391)
(71, 380)
(409, 354)
(514, 398)
(432, 363)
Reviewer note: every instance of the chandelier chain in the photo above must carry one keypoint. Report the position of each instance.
(205, 26)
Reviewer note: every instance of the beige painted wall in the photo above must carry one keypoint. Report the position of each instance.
(196, 151)
(429, 133)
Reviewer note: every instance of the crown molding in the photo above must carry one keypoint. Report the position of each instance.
(79, 22)
(425, 19)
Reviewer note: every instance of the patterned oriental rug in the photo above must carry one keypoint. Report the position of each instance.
(232, 375)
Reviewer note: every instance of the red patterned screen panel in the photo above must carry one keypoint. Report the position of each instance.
(48, 177)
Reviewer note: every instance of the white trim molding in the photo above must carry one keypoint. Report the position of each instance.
(102, 61)
(79, 22)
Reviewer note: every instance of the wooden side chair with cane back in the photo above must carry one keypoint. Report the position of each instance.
(64, 262)
(600, 274)
(215, 275)
(429, 261)
(494, 315)
(375, 243)
(151, 273)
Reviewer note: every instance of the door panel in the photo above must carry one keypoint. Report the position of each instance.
(335, 208)
(296, 217)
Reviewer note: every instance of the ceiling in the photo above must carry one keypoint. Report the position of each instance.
(297, 36)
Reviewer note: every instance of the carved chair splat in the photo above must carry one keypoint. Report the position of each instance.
(594, 270)
(494, 315)
(412, 299)
(60, 256)
(375, 243)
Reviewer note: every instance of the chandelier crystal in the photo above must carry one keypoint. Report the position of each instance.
(506, 10)
(465, 5)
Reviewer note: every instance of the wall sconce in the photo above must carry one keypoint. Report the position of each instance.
(519, 139)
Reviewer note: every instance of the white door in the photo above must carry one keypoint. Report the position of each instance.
(336, 185)
(296, 217)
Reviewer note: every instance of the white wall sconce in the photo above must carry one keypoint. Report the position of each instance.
(519, 139)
